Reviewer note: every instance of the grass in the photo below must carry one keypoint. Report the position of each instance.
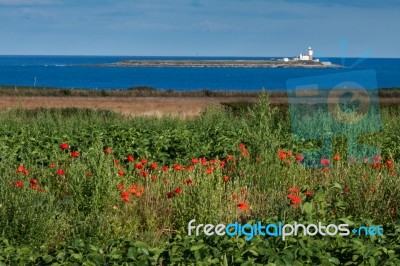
(182, 169)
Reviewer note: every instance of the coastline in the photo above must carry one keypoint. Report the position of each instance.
(220, 63)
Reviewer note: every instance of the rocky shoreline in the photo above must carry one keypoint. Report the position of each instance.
(220, 63)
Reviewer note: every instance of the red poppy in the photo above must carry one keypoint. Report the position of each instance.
(210, 170)
(188, 181)
(143, 161)
(242, 146)
(213, 161)
(170, 194)
(124, 194)
(234, 197)
(376, 165)
(377, 158)
(336, 157)
(389, 163)
(33, 181)
(189, 168)
(153, 178)
(289, 153)
(309, 193)
(121, 172)
(60, 172)
(178, 190)
(20, 169)
(243, 191)
(299, 157)
(89, 174)
(203, 161)
(139, 166)
(222, 164)
(120, 186)
(107, 150)
(153, 166)
(282, 154)
(194, 161)
(130, 158)
(229, 157)
(178, 167)
(53, 165)
(64, 146)
(19, 184)
(325, 162)
(295, 200)
(293, 190)
(242, 205)
(165, 168)
(226, 178)
(74, 154)
(143, 174)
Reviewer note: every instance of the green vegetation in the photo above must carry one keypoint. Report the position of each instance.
(94, 187)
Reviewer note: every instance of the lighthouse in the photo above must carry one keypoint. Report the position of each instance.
(310, 53)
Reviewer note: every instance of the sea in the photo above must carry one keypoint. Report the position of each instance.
(79, 72)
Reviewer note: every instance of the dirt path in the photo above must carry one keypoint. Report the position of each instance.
(181, 106)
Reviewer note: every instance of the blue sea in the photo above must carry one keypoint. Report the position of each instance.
(73, 72)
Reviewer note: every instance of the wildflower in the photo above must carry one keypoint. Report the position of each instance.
(19, 184)
(53, 165)
(281, 154)
(392, 172)
(34, 183)
(325, 162)
(124, 194)
(130, 158)
(189, 168)
(242, 146)
(376, 165)
(293, 190)
(74, 154)
(121, 172)
(326, 170)
(153, 166)
(222, 164)
(210, 170)
(372, 189)
(336, 157)
(299, 157)
(289, 153)
(178, 167)
(203, 161)
(60, 172)
(20, 169)
(143, 161)
(243, 191)
(194, 161)
(153, 178)
(213, 161)
(165, 168)
(242, 205)
(120, 186)
(309, 193)
(229, 158)
(107, 151)
(377, 158)
(143, 174)
(139, 166)
(64, 146)
(178, 190)
(295, 200)
(89, 174)
(389, 164)
(170, 194)
(226, 178)
(188, 181)
(365, 160)
(234, 197)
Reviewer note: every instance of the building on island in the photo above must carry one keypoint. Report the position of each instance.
(308, 56)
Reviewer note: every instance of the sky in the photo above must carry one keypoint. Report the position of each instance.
(333, 28)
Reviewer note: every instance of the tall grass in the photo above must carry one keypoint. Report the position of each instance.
(86, 202)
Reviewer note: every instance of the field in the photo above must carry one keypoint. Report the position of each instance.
(94, 187)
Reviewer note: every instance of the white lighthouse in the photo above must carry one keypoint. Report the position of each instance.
(310, 53)
(308, 56)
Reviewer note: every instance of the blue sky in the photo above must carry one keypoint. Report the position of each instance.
(200, 27)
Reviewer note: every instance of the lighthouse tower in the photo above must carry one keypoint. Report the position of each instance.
(310, 53)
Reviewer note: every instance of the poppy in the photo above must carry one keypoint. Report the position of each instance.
(19, 184)
(309, 193)
(107, 151)
(143, 161)
(178, 190)
(325, 162)
(188, 181)
(60, 172)
(194, 161)
(153, 166)
(74, 154)
(178, 167)
(293, 190)
(299, 157)
(242, 205)
(121, 172)
(165, 168)
(336, 157)
(64, 146)
(130, 158)
(170, 194)
(120, 186)
(226, 178)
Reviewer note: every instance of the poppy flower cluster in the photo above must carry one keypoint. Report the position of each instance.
(293, 196)
(134, 190)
